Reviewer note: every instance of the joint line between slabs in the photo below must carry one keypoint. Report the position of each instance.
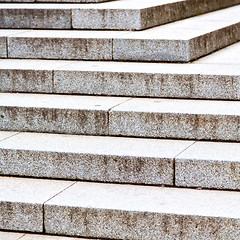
(10, 136)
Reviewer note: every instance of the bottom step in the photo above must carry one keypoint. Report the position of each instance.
(98, 210)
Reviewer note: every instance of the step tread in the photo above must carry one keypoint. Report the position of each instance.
(218, 209)
(26, 236)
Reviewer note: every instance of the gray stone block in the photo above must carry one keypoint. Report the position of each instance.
(3, 47)
(27, 75)
(137, 212)
(104, 159)
(55, 113)
(209, 165)
(21, 202)
(185, 119)
(19, 16)
(90, 45)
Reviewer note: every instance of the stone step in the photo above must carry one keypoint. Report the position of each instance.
(115, 211)
(180, 41)
(204, 81)
(117, 15)
(144, 117)
(123, 160)
(6, 235)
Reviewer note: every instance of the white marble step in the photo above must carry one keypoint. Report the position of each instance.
(201, 81)
(144, 117)
(180, 41)
(124, 160)
(117, 211)
(118, 15)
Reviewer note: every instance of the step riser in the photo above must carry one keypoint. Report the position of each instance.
(140, 84)
(116, 19)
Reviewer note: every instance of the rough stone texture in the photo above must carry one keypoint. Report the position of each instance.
(168, 118)
(42, 44)
(137, 212)
(117, 19)
(21, 202)
(27, 75)
(18, 17)
(209, 165)
(56, 113)
(3, 47)
(105, 159)
(10, 235)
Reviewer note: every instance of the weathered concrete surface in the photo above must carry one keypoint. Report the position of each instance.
(137, 212)
(28, 16)
(106, 159)
(209, 165)
(21, 202)
(170, 118)
(56, 113)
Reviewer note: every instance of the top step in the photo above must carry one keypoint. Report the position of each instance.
(115, 15)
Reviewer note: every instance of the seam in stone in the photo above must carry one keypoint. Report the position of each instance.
(7, 47)
(110, 109)
(10, 136)
(22, 236)
(71, 18)
(43, 205)
(174, 162)
(53, 83)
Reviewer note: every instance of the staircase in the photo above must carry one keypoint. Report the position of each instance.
(119, 119)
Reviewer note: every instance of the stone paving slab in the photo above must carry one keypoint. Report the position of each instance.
(180, 41)
(5, 135)
(138, 212)
(10, 235)
(25, 236)
(121, 78)
(21, 202)
(174, 118)
(107, 159)
(227, 56)
(209, 165)
(56, 113)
